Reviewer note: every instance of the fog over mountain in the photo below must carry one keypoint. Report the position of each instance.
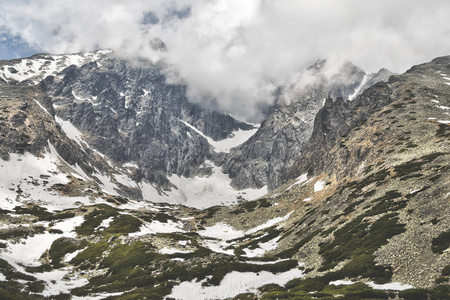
(233, 54)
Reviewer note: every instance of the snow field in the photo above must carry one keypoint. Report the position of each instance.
(159, 227)
(201, 192)
(301, 179)
(394, 286)
(20, 255)
(232, 284)
(46, 66)
(223, 233)
(239, 137)
(318, 186)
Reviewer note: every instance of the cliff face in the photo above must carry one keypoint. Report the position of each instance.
(130, 114)
(264, 159)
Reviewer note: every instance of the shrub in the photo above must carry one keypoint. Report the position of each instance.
(95, 218)
(91, 254)
(441, 242)
(123, 224)
(59, 249)
(414, 294)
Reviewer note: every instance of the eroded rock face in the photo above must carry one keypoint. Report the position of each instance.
(129, 113)
(264, 158)
(336, 119)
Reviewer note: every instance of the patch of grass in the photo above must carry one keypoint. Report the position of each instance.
(414, 294)
(15, 233)
(446, 271)
(123, 224)
(414, 165)
(11, 274)
(58, 216)
(91, 254)
(125, 257)
(59, 249)
(441, 242)
(211, 211)
(294, 249)
(264, 203)
(350, 208)
(95, 218)
(377, 177)
(34, 211)
(443, 131)
(356, 290)
(358, 238)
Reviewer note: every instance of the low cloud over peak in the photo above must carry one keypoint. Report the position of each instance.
(231, 53)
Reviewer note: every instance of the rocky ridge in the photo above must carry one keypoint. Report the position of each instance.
(266, 157)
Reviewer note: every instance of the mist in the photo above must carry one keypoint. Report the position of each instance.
(233, 54)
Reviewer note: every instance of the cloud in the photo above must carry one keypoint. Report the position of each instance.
(233, 53)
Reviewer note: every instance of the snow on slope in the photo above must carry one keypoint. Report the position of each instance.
(25, 177)
(225, 145)
(358, 89)
(37, 68)
(232, 284)
(201, 192)
(19, 256)
(220, 235)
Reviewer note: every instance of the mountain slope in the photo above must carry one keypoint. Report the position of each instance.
(265, 158)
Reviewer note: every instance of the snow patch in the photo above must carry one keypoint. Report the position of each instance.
(301, 179)
(262, 248)
(221, 231)
(341, 282)
(358, 89)
(201, 192)
(395, 286)
(168, 250)
(71, 131)
(318, 186)
(238, 137)
(158, 227)
(232, 284)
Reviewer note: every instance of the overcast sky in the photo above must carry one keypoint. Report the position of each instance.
(234, 49)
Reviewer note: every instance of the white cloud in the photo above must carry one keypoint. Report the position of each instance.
(235, 52)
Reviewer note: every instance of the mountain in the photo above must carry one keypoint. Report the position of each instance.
(359, 211)
(152, 140)
(265, 158)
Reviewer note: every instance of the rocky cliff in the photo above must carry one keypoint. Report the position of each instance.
(265, 158)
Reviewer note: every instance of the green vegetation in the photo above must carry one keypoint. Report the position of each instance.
(90, 255)
(34, 211)
(414, 294)
(441, 242)
(377, 177)
(443, 131)
(414, 165)
(211, 211)
(95, 218)
(318, 288)
(11, 274)
(294, 249)
(58, 216)
(123, 224)
(59, 249)
(14, 233)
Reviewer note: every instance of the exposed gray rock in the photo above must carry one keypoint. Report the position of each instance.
(130, 113)
(264, 158)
